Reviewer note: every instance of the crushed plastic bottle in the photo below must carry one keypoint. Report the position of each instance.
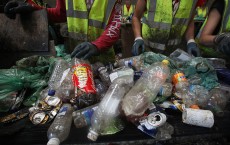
(104, 75)
(182, 89)
(101, 89)
(166, 90)
(217, 102)
(142, 94)
(202, 95)
(83, 117)
(179, 81)
(134, 62)
(66, 87)
(95, 67)
(108, 110)
(59, 67)
(164, 132)
(180, 56)
(119, 72)
(60, 128)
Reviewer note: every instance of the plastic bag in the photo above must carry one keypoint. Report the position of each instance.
(201, 68)
(12, 81)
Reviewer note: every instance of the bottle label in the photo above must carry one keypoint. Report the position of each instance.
(52, 100)
(83, 78)
(88, 114)
(178, 77)
(62, 111)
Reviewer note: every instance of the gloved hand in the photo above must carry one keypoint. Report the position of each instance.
(193, 49)
(85, 50)
(138, 47)
(223, 42)
(13, 7)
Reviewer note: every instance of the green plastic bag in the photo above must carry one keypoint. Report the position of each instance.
(12, 81)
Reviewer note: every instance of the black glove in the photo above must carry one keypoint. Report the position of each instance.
(138, 47)
(85, 50)
(193, 49)
(13, 7)
(223, 43)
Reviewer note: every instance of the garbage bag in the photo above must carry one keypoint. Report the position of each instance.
(12, 81)
(201, 68)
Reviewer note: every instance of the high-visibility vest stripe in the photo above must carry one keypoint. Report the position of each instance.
(225, 26)
(87, 24)
(159, 24)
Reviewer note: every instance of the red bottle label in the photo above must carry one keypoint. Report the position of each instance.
(83, 78)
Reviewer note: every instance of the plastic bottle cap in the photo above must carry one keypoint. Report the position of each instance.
(92, 135)
(51, 92)
(53, 141)
(165, 61)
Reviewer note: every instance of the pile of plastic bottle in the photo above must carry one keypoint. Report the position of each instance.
(97, 95)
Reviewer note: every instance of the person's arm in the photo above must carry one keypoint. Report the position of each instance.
(192, 47)
(136, 19)
(55, 15)
(112, 31)
(207, 37)
(189, 34)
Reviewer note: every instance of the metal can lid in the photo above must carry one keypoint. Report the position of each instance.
(38, 117)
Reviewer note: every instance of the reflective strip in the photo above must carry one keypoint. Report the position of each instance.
(151, 15)
(110, 5)
(74, 13)
(160, 25)
(192, 11)
(77, 14)
(96, 24)
(78, 36)
(185, 21)
(181, 21)
(84, 14)
(226, 16)
(174, 42)
(70, 4)
(152, 6)
(154, 45)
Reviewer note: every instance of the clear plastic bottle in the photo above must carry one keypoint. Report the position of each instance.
(101, 89)
(179, 81)
(145, 90)
(59, 67)
(164, 132)
(182, 89)
(217, 101)
(95, 67)
(166, 90)
(135, 62)
(104, 75)
(108, 110)
(180, 56)
(66, 88)
(84, 86)
(60, 128)
(83, 117)
(202, 95)
(119, 72)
